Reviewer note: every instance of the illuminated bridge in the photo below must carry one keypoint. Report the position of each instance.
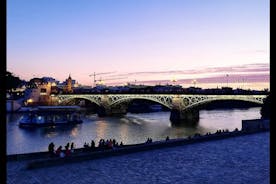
(183, 107)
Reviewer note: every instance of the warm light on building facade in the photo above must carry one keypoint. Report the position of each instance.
(29, 100)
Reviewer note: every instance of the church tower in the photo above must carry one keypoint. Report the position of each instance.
(68, 87)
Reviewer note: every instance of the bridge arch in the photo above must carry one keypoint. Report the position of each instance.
(258, 101)
(164, 101)
(70, 98)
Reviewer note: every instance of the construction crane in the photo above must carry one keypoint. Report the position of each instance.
(96, 74)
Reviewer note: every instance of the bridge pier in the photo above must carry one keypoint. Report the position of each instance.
(188, 117)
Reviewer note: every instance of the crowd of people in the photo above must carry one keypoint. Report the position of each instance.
(149, 140)
(69, 148)
(112, 144)
(59, 152)
(103, 144)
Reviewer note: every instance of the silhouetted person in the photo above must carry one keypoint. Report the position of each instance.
(110, 144)
(51, 148)
(101, 143)
(67, 151)
(167, 138)
(67, 145)
(86, 145)
(72, 147)
(58, 151)
(149, 140)
(114, 142)
(92, 144)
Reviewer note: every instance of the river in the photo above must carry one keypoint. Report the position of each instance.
(132, 128)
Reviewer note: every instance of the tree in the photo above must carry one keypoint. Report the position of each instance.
(12, 82)
(265, 110)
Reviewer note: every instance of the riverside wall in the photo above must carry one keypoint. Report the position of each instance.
(43, 159)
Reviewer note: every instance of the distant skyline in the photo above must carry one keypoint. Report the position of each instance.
(147, 41)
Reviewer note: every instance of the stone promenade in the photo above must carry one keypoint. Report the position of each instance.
(243, 159)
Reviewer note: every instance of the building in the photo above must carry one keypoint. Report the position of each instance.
(68, 85)
(39, 91)
(39, 95)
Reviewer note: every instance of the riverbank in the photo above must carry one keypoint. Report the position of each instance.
(240, 159)
(130, 129)
(44, 159)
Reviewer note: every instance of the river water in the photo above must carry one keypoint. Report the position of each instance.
(132, 128)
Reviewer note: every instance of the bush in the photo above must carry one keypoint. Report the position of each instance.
(265, 110)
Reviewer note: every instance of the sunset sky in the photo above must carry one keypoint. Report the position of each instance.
(147, 41)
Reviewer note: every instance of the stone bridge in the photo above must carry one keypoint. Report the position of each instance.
(183, 107)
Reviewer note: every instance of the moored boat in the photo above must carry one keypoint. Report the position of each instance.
(50, 117)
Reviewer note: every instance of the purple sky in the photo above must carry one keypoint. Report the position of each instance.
(150, 41)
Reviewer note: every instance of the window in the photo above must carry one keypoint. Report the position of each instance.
(42, 91)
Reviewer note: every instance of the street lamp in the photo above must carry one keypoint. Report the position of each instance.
(29, 101)
(194, 82)
(227, 79)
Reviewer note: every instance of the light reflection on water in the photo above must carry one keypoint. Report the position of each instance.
(132, 128)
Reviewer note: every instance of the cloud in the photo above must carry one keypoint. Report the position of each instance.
(219, 79)
(249, 68)
(250, 73)
(252, 51)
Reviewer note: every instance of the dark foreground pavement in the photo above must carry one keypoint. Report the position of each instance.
(238, 160)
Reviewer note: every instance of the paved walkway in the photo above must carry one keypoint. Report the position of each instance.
(238, 160)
